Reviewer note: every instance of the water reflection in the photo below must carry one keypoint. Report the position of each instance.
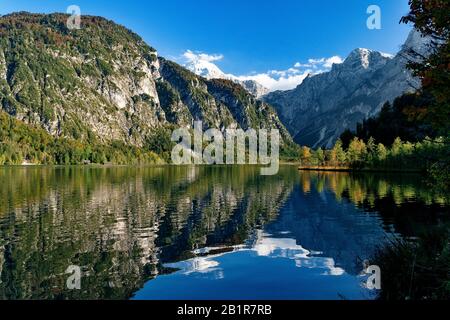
(273, 268)
(294, 235)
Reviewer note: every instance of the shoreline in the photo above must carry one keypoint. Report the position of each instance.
(285, 164)
(351, 170)
(108, 165)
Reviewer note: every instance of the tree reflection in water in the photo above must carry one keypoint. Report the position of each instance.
(125, 226)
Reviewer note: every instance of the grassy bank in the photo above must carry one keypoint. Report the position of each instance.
(416, 270)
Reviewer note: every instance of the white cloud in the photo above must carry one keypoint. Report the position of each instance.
(203, 65)
(316, 61)
(191, 56)
(321, 63)
(286, 81)
(333, 60)
(300, 65)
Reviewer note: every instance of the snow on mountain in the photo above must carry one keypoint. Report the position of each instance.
(259, 84)
(205, 68)
(324, 105)
(202, 65)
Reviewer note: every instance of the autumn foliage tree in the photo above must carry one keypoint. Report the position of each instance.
(431, 18)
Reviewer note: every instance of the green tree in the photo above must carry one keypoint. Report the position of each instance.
(431, 18)
(396, 148)
(381, 152)
(320, 156)
(356, 151)
(339, 153)
(371, 150)
(305, 156)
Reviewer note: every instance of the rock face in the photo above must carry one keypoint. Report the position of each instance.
(254, 88)
(325, 105)
(219, 103)
(104, 82)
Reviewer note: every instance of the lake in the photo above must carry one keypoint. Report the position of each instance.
(201, 232)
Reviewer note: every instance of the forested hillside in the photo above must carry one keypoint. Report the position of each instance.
(103, 85)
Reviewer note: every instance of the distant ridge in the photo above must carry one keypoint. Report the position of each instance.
(325, 105)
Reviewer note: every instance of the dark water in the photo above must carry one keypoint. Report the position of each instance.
(200, 233)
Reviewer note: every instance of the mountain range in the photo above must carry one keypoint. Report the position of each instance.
(103, 82)
(323, 106)
(209, 70)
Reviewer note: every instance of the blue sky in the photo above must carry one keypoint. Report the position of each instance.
(249, 36)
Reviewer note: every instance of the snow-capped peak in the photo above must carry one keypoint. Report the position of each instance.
(366, 58)
(205, 69)
(360, 56)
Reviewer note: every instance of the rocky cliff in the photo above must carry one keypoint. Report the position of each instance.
(104, 82)
(324, 105)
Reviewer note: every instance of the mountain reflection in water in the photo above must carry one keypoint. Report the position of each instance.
(200, 233)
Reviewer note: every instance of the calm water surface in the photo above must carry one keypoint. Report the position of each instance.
(200, 233)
